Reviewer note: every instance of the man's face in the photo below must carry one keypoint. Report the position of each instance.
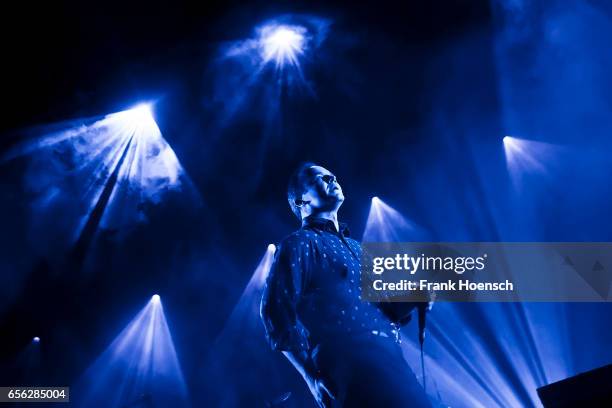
(322, 190)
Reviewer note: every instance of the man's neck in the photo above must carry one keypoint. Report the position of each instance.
(328, 215)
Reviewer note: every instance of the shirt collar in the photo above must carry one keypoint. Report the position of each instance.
(325, 225)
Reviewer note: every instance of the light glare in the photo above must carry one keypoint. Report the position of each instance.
(529, 157)
(282, 44)
(385, 224)
(141, 363)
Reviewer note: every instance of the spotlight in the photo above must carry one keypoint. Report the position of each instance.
(385, 224)
(155, 298)
(141, 119)
(36, 339)
(513, 145)
(271, 248)
(282, 43)
(142, 112)
(142, 360)
(525, 156)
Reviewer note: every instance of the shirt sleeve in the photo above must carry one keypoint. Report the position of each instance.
(282, 293)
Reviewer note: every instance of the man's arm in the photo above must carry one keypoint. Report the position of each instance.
(281, 297)
(304, 363)
(284, 330)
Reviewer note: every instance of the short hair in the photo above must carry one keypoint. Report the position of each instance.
(297, 186)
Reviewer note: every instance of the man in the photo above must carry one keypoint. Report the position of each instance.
(344, 348)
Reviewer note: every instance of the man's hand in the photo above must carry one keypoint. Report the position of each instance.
(321, 393)
(305, 364)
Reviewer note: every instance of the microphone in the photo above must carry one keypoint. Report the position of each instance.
(422, 310)
(422, 319)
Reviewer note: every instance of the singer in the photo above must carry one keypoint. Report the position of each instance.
(346, 349)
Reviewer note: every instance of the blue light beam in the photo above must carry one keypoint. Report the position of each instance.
(246, 312)
(263, 374)
(469, 365)
(282, 44)
(386, 224)
(254, 72)
(100, 173)
(526, 158)
(140, 367)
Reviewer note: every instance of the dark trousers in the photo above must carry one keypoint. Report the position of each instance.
(369, 371)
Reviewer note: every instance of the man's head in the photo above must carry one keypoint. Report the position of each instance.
(313, 189)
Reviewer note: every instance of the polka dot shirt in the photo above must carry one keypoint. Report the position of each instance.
(313, 289)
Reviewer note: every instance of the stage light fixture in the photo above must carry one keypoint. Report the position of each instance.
(155, 298)
(36, 339)
(271, 248)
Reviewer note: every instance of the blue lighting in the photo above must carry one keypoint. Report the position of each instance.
(467, 362)
(243, 331)
(248, 304)
(140, 119)
(386, 224)
(100, 173)
(282, 44)
(36, 339)
(251, 295)
(528, 157)
(140, 365)
(251, 73)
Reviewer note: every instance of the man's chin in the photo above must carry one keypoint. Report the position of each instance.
(338, 198)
